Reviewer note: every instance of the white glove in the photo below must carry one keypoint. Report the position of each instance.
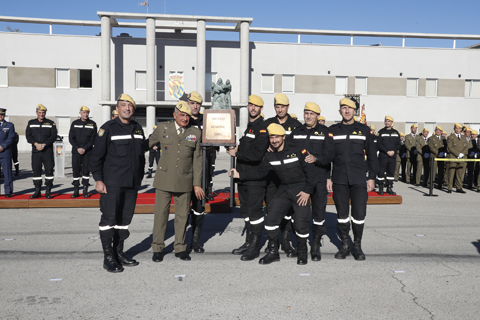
(475, 156)
(460, 156)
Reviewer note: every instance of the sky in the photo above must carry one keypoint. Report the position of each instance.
(424, 16)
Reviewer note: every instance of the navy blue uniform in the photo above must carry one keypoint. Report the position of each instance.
(7, 141)
(388, 140)
(43, 132)
(82, 135)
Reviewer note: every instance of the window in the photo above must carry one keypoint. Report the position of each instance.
(412, 87)
(361, 85)
(85, 79)
(472, 88)
(141, 80)
(288, 83)
(62, 78)
(431, 88)
(209, 78)
(267, 83)
(431, 127)
(3, 77)
(63, 125)
(341, 85)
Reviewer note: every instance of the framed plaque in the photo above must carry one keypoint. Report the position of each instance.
(218, 128)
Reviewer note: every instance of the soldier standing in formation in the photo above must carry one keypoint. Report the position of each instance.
(411, 146)
(250, 153)
(153, 155)
(311, 137)
(351, 142)
(7, 141)
(470, 155)
(117, 163)
(457, 148)
(82, 137)
(401, 159)
(438, 151)
(388, 143)
(41, 133)
(283, 118)
(297, 181)
(423, 157)
(476, 167)
(321, 120)
(178, 174)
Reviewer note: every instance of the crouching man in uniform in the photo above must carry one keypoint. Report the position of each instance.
(117, 163)
(298, 180)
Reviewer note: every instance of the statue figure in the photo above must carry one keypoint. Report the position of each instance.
(221, 98)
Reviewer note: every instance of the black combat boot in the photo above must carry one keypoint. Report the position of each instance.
(149, 173)
(272, 255)
(196, 243)
(253, 251)
(243, 248)
(37, 193)
(357, 250)
(85, 192)
(76, 191)
(109, 262)
(380, 189)
(345, 249)
(315, 249)
(390, 190)
(286, 246)
(302, 257)
(122, 258)
(17, 170)
(48, 192)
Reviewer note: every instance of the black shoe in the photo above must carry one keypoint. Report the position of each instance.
(272, 255)
(183, 256)
(390, 191)
(449, 191)
(124, 261)
(315, 249)
(252, 251)
(417, 185)
(36, 194)
(478, 191)
(111, 265)
(157, 257)
(48, 193)
(76, 191)
(243, 248)
(460, 191)
(345, 249)
(380, 190)
(302, 257)
(149, 173)
(357, 251)
(286, 246)
(8, 195)
(85, 192)
(196, 243)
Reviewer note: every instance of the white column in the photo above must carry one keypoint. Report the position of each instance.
(151, 74)
(244, 62)
(403, 42)
(106, 113)
(105, 66)
(243, 123)
(201, 57)
(351, 40)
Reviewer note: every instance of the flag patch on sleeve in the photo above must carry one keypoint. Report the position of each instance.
(304, 151)
(263, 131)
(330, 135)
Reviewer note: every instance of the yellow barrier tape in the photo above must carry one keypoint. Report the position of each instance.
(457, 160)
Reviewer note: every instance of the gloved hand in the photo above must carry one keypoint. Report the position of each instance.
(415, 152)
(477, 156)
(471, 154)
(441, 154)
(426, 155)
(404, 155)
(460, 156)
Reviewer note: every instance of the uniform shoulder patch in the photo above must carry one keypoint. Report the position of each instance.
(263, 131)
(330, 135)
(101, 132)
(304, 151)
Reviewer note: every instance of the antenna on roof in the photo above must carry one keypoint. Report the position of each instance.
(144, 4)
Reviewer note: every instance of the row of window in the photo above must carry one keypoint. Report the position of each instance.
(472, 87)
(62, 78)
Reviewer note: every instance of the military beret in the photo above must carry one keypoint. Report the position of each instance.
(41, 107)
(262, 115)
(425, 129)
(474, 132)
(2, 111)
(293, 115)
(402, 134)
(195, 96)
(372, 127)
(321, 118)
(83, 108)
(438, 128)
(312, 106)
(413, 126)
(457, 125)
(114, 113)
(126, 97)
(154, 127)
(348, 102)
(282, 99)
(388, 118)
(275, 129)
(444, 132)
(255, 100)
(182, 106)
(469, 129)
(355, 118)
